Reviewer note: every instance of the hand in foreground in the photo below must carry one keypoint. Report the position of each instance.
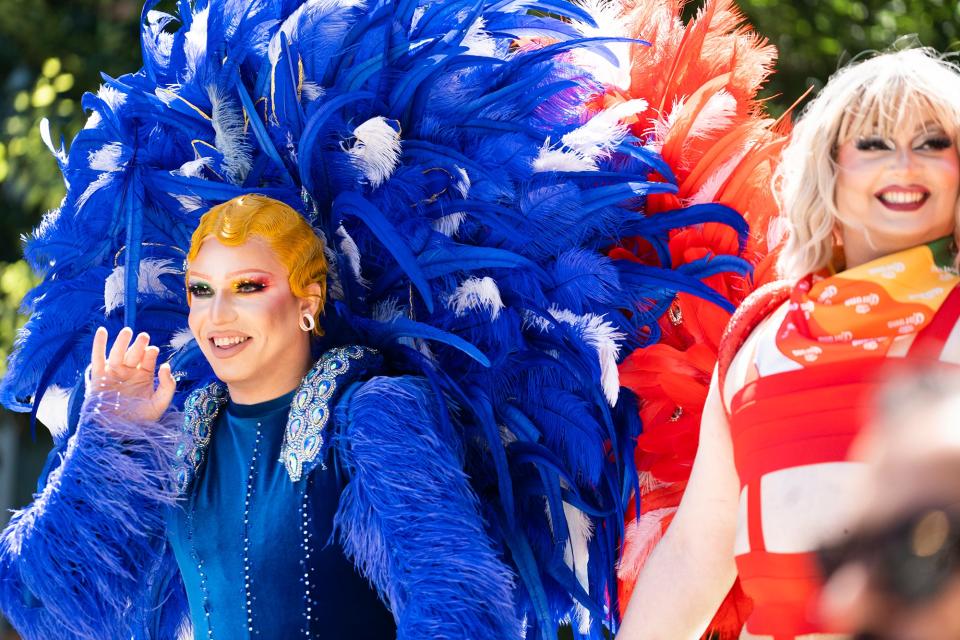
(126, 375)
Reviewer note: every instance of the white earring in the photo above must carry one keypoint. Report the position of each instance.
(307, 323)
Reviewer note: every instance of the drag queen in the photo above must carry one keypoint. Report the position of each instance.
(399, 361)
(869, 188)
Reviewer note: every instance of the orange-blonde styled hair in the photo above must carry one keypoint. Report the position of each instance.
(290, 237)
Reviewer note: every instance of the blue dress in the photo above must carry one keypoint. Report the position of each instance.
(262, 521)
(256, 551)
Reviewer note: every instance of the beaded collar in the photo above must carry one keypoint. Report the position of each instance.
(309, 413)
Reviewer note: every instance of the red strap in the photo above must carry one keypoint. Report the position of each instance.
(758, 305)
(755, 517)
(929, 343)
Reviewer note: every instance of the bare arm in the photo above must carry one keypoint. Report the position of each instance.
(690, 571)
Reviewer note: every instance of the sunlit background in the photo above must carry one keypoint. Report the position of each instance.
(51, 52)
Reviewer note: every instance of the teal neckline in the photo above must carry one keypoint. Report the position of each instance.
(260, 409)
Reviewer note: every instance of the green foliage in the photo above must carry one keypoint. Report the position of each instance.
(816, 37)
(53, 52)
(16, 279)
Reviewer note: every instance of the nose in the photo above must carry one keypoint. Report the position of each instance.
(905, 158)
(222, 310)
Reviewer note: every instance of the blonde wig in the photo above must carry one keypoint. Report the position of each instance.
(874, 96)
(290, 237)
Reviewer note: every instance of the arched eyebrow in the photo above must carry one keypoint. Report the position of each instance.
(232, 273)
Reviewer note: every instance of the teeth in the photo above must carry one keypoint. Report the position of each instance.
(228, 342)
(902, 197)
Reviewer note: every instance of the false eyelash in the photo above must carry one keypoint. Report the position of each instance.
(199, 290)
(938, 143)
(872, 144)
(256, 286)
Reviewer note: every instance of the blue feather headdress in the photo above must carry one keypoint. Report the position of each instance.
(465, 199)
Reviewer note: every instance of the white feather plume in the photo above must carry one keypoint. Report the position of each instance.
(478, 41)
(189, 203)
(708, 192)
(181, 339)
(230, 138)
(291, 26)
(610, 23)
(334, 284)
(352, 252)
(47, 139)
(583, 147)
(106, 158)
(193, 168)
(476, 293)
(376, 150)
(576, 555)
(52, 410)
(449, 224)
(557, 159)
(112, 97)
(149, 282)
(602, 336)
(715, 116)
(641, 536)
(195, 43)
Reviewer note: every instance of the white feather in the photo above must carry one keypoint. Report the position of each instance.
(311, 90)
(610, 23)
(387, 310)
(715, 116)
(156, 22)
(583, 147)
(93, 120)
(376, 150)
(189, 203)
(561, 160)
(230, 138)
(708, 192)
(102, 180)
(181, 339)
(641, 536)
(291, 26)
(602, 336)
(52, 410)
(106, 158)
(449, 224)
(478, 41)
(462, 184)
(538, 322)
(112, 97)
(352, 252)
(149, 282)
(605, 130)
(193, 168)
(195, 43)
(334, 284)
(47, 139)
(476, 293)
(576, 555)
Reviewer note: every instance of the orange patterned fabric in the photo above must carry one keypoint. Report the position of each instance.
(863, 311)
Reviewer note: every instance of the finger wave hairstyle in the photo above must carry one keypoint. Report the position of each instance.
(873, 96)
(290, 237)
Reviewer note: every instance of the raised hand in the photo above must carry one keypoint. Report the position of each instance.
(125, 377)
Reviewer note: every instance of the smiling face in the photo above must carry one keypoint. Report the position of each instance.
(245, 318)
(896, 191)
